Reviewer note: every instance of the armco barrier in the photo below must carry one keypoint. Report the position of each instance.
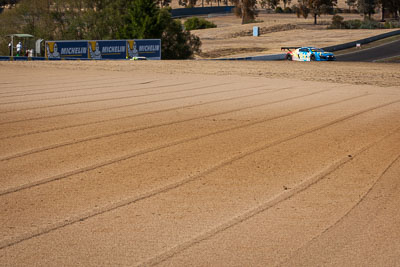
(5, 58)
(186, 12)
(362, 41)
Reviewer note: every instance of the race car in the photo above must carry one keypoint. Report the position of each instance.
(308, 54)
(138, 58)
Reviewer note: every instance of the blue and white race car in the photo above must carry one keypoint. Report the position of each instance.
(308, 54)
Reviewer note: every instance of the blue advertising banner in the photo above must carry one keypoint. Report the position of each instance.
(148, 48)
(66, 49)
(112, 49)
(104, 49)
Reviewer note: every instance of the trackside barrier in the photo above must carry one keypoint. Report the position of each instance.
(362, 41)
(3, 58)
(103, 49)
(97, 49)
(186, 12)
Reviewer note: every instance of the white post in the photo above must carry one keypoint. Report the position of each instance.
(12, 45)
(38, 42)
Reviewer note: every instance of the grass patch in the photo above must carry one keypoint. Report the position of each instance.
(196, 23)
(395, 59)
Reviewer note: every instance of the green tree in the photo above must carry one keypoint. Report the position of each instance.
(286, 2)
(273, 3)
(144, 19)
(315, 8)
(178, 44)
(246, 9)
(163, 3)
(390, 6)
(88, 19)
(263, 3)
(351, 3)
(8, 3)
(367, 7)
(69, 16)
(188, 3)
(99, 19)
(29, 16)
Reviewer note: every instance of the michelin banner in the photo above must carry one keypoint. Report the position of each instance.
(67, 49)
(107, 49)
(150, 48)
(104, 49)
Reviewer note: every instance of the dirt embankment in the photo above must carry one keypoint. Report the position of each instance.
(231, 39)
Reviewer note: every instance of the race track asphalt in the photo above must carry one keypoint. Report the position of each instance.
(371, 54)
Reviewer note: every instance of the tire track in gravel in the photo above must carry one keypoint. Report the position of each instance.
(136, 115)
(145, 151)
(58, 83)
(127, 105)
(105, 93)
(30, 84)
(159, 125)
(130, 200)
(71, 90)
(116, 98)
(287, 194)
(44, 91)
(342, 218)
(144, 113)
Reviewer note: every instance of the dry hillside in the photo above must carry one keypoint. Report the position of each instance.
(175, 3)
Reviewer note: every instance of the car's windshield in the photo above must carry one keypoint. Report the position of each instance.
(316, 50)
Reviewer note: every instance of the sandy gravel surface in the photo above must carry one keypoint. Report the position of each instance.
(200, 163)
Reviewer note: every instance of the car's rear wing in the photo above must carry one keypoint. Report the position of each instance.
(289, 48)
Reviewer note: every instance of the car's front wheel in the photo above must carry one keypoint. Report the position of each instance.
(288, 57)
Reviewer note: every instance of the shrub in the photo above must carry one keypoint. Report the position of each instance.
(278, 10)
(337, 22)
(339, 10)
(391, 24)
(287, 10)
(295, 9)
(253, 21)
(352, 24)
(371, 24)
(329, 10)
(196, 23)
(177, 43)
